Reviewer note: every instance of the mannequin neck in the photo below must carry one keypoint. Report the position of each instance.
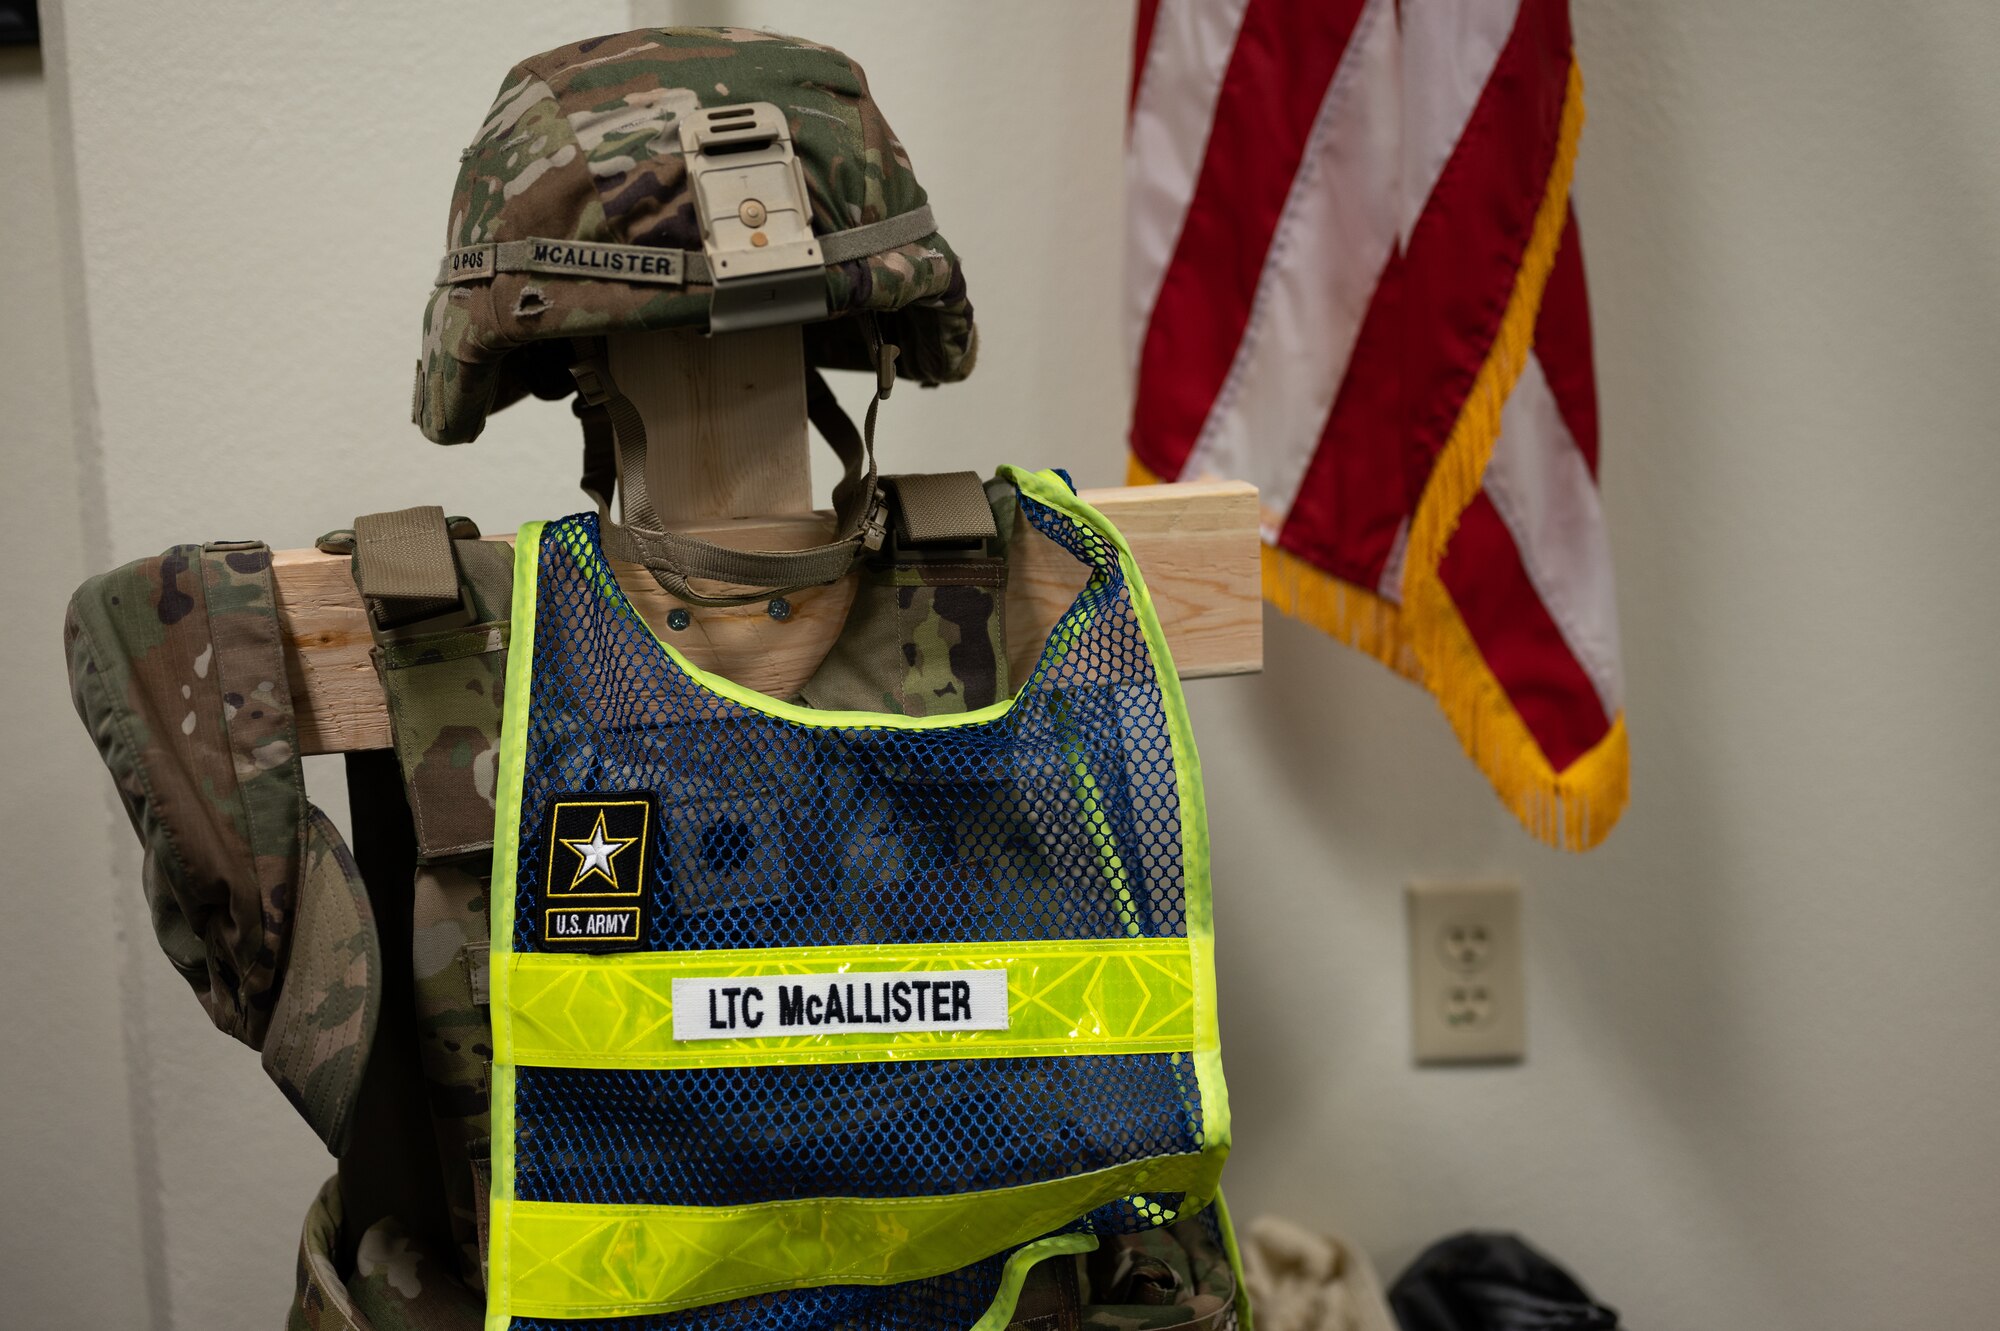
(725, 421)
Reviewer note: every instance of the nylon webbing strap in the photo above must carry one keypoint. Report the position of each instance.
(600, 392)
(654, 265)
(600, 454)
(890, 233)
(673, 558)
(404, 566)
(943, 508)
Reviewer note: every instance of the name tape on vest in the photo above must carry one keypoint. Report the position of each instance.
(753, 1007)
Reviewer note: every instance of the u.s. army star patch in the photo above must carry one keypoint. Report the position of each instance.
(599, 851)
(597, 847)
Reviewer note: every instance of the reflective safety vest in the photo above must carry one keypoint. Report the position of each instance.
(804, 1018)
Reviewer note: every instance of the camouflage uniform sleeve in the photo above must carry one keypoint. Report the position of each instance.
(206, 771)
(177, 669)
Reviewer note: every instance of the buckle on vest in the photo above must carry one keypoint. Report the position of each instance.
(756, 221)
(875, 526)
(592, 377)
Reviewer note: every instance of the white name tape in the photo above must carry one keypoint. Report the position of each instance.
(739, 1007)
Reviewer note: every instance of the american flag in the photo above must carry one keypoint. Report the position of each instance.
(1354, 279)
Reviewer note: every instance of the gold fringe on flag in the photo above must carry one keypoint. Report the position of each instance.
(1425, 639)
(1356, 616)
(1576, 807)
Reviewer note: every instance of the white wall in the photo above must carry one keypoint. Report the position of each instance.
(1762, 1051)
(72, 1157)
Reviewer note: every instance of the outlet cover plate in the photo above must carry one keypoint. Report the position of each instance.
(1466, 981)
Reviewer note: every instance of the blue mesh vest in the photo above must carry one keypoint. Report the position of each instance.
(808, 1019)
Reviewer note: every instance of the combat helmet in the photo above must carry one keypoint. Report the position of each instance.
(702, 178)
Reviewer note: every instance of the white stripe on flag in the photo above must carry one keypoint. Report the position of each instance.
(1171, 117)
(1337, 231)
(1390, 585)
(1449, 50)
(1546, 496)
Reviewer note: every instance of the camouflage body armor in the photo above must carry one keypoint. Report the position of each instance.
(364, 977)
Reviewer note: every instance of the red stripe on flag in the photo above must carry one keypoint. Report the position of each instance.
(1435, 313)
(1562, 344)
(1466, 248)
(1520, 643)
(1354, 496)
(1142, 43)
(1285, 56)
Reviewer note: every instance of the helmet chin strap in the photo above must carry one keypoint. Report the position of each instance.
(615, 433)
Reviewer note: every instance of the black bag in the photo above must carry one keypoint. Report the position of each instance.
(1493, 1282)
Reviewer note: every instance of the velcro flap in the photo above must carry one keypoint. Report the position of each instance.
(941, 508)
(403, 560)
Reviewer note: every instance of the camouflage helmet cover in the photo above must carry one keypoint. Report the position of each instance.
(583, 145)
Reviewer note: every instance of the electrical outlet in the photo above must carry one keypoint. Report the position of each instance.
(1466, 982)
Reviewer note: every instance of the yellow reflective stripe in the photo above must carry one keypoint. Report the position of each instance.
(506, 854)
(574, 1260)
(1065, 996)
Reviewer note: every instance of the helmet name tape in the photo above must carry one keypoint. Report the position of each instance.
(566, 258)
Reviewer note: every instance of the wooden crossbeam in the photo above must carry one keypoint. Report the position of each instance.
(1196, 545)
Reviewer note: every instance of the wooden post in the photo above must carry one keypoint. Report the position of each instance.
(725, 421)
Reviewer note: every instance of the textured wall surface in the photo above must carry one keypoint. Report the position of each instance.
(1761, 1055)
